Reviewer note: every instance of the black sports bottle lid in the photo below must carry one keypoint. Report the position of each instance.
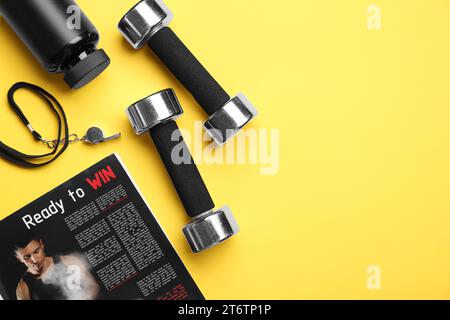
(87, 68)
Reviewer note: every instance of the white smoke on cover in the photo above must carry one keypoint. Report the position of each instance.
(72, 279)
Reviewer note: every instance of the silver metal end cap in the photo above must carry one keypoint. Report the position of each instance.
(156, 109)
(232, 117)
(210, 229)
(145, 19)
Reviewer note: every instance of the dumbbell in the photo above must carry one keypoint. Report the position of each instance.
(147, 23)
(157, 114)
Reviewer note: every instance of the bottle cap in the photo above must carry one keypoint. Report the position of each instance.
(87, 69)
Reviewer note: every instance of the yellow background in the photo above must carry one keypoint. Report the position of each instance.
(364, 119)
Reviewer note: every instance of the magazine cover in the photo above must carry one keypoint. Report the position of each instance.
(92, 237)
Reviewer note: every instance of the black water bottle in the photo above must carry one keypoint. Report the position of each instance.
(59, 35)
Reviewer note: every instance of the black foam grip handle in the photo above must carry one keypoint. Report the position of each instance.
(188, 70)
(187, 180)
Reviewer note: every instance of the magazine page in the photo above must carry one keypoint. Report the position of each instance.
(93, 237)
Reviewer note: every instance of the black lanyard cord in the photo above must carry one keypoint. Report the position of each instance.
(22, 159)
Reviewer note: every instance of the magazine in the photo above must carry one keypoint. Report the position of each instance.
(93, 237)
